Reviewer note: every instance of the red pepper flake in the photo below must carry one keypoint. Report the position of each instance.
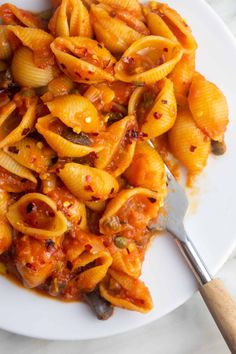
(152, 200)
(30, 266)
(143, 135)
(165, 50)
(31, 207)
(112, 191)
(112, 14)
(50, 245)
(164, 101)
(69, 265)
(192, 148)
(88, 179)
(94, 199)
(157, 115)
(63, 66)
(88, 188)
(130, 135)
(128, 60)
(25, 131)
(13, 149)
(80, 220)
(94, 134)
(78, 74)
(100, 45)
(28, 146)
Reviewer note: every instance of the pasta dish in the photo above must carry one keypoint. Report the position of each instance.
(84, 87)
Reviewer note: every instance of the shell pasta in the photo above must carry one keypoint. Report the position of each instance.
(84, 87)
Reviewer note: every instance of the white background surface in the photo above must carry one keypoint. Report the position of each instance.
(187, 330)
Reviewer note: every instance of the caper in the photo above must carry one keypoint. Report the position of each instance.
(121, 242)
(46, 15)
(28, 93)
(218, 148)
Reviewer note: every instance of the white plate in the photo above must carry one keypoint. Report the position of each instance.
(212, 228)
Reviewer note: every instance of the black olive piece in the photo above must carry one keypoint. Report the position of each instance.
(101, 307)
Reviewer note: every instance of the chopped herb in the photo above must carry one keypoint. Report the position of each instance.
(114, 117)
(164, 101)
(148, 99)
(81, 138)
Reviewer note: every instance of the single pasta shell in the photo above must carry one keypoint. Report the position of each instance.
(88, 183)
(59, 224)
(121, 199)
(5, 48)
(32, 38)
(188, 143)
(5, 234)
(135, 290)
(147, 169)
(116, 35)
(14, 167)
(26, 73)
(162, 115)
(76, 112)
(31, 154)
(23, 128)
(78, 69)
(182, 76)
(119, 149)
(59, 144)
(209, 107)
(174, 54)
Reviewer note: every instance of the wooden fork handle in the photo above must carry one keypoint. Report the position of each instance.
(223, 310)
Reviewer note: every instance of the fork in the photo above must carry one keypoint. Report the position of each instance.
(219, 302)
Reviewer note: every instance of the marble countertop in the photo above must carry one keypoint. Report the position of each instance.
(188, 330)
